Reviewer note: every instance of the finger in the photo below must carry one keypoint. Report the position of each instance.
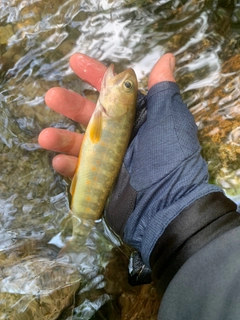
(60, 140)
(65, 165)
(70, 104)
(163, 70)
(88, 69)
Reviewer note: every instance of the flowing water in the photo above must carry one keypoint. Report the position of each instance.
(37, 37)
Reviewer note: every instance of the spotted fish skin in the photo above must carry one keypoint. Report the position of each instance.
(104, 145)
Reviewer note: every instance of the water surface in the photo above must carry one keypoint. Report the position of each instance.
(37, 39)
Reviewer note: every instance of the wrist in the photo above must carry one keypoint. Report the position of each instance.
(148, 223)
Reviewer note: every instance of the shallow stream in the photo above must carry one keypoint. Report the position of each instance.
(37, 38)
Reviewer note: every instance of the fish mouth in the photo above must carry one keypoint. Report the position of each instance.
(116, 78)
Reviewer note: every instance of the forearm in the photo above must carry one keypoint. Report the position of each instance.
(204, 283)
(197, 225)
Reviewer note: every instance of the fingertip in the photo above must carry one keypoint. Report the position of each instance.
(163, 70)
(57, 98)
(76, 58)
(88, 69)
(44, 138)
(57, 163)
(65, 165)
(50, 95)
(171, 57)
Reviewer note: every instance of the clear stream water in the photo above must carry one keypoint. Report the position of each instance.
(37, 37)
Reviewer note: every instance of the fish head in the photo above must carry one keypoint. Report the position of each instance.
(118, 93)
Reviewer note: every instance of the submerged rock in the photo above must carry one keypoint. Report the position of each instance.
(5, 33)
(219, 123)
(37, 288)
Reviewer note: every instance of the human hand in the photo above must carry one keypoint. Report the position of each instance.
(78, 108)
(163, 171)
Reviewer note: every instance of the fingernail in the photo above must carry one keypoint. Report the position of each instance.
(172, 64)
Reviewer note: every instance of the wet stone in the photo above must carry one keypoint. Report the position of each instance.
(5, 33)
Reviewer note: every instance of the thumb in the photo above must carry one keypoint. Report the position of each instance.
(163, 70)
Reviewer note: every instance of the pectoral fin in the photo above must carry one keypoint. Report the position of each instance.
(95, 129)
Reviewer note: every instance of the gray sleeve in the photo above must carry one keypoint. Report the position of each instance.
(207, 286)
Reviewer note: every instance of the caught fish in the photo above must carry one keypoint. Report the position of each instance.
(104, 145)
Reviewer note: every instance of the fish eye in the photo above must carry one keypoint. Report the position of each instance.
(128, 84)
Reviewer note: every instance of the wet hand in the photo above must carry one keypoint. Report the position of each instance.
(162, 172)
(78, 108)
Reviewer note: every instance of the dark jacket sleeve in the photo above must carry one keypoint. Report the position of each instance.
(196, 262)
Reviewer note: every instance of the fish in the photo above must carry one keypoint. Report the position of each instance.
(104, 145)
